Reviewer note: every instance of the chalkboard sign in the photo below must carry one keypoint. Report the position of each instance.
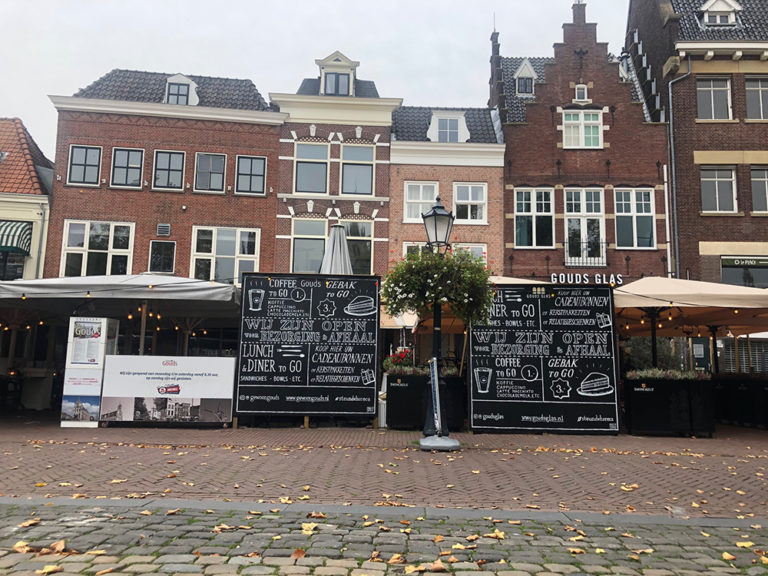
(546, 361)
(308, 344)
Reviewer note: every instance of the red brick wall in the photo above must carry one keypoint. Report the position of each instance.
(146, 207)
(341, 207)
(635, 149)
(446, 176)
(693, 136)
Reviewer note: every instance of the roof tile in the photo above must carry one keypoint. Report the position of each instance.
(17, 167)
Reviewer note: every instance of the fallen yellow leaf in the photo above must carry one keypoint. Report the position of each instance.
(438, 538)
(576, 551)
(31, 522)
(744, 544)
(728, 557)
(298, 553)
(49, 569)
(105, 571)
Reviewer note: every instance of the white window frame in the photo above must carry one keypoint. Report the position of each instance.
(71, 182)
(473, 248)
(298, 160)
(763, 181)
(112, 182)
(371, 163)
(526, 78)
(537, 211)
(581, 94)
(251, 175)
(717, 180)
(85, 248)
(762, 96)
(579, 122)
(711, 90)
(417, 245)
(420, 184)
(336, 76)
(637, 209)
(212, 255)
(183, 170)
(483, 186)
(196, 187)
(294, 236)
(730, 18)
(173, 263)
(584, 213)
(368, 239)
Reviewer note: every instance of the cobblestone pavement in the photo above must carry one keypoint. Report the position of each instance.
(143, 537)
(223, 501)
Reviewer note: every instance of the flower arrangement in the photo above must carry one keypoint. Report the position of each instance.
(401, 363)
(457, 279)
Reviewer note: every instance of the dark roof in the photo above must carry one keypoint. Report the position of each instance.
(515, 104)
(751, 22)
(138, 86)
(410, 123)
(363, 88)
(20, 157)
(510, 65)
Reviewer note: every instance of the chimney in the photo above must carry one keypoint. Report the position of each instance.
(579, 12)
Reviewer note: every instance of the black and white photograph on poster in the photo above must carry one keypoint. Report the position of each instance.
(308, 345)
(117, 409)
(79, 408)
(165, 409)
(546, 361)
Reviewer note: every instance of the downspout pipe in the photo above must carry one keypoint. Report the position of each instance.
(41, 240)
(673, 165)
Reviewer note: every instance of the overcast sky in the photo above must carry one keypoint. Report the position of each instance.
(428, 52)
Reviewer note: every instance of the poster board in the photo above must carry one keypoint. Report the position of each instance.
(546, 361)
(308, 345)
(173, 389)
(89, 340)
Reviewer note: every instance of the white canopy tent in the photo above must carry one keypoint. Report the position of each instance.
(116, 297)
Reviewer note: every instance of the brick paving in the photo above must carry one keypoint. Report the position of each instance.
(223, 501)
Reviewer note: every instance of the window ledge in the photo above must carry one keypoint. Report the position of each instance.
(721, 214)
(214, 192)
(634, 249)
(594, 148)
(78, 185)
(759, 214)
(345, 197)
(716, 121)
(176, 190)
(469, 223)
(534, 247)
(134, 188)
(252, 194)
(755, 120)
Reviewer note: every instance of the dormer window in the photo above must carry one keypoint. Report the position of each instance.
(582, 95)
(178, 94)
(181, 91)
(448, 126)
(448, 130)
(525, 85)
(525, 77)
(720, 12)
(336, 84)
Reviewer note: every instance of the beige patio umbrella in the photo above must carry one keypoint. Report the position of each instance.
(659, 306)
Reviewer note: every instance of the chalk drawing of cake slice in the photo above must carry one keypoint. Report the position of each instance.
(595, 384)
(361, 306)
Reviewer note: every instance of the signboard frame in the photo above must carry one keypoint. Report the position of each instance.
(546, 362)
(308, 345)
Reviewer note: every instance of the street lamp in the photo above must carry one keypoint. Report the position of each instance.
(438, 223)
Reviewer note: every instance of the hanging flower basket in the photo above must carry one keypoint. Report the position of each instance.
(456, 279)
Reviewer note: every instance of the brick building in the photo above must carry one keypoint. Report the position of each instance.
(334, 169)
(457, 155)
(25, 185)
(165, 173)
(704, 65)
(584, 171)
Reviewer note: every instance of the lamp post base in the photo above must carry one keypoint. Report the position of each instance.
(439, 443)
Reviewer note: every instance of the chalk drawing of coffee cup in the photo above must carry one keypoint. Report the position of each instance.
(483, 379)
(255, 299)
